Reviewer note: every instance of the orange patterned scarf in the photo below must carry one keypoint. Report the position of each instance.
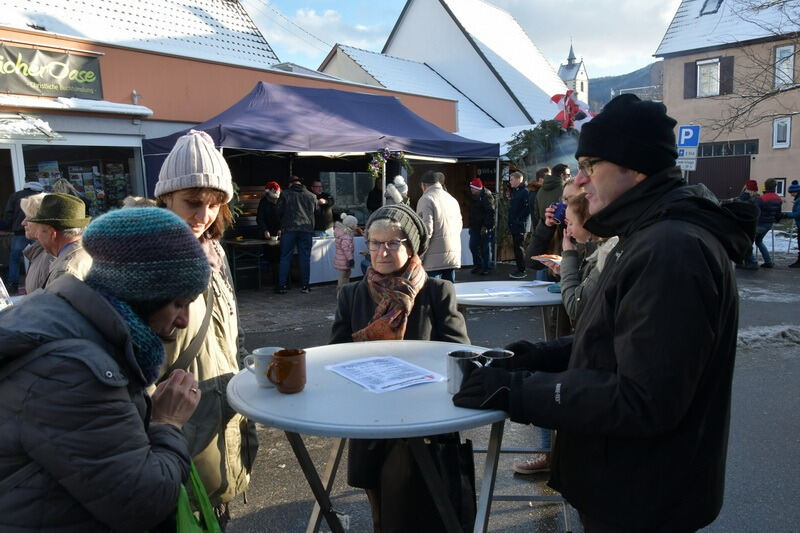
(394, 295)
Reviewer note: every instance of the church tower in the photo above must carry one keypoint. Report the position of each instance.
(574, 75)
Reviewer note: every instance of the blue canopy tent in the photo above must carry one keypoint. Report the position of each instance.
(282, 118)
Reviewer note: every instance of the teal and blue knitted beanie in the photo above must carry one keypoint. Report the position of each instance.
(145, 255)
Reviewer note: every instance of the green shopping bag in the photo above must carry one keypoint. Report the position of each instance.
(185, 519)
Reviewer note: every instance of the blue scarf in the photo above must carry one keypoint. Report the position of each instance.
(148, 349)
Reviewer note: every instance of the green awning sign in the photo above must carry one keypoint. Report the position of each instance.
(43, 73)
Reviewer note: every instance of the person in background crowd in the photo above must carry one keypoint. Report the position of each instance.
(89, 450)
(395, 300)
(769, 205)
(551, 191)
(268, 216)
(195, 184)
(518, 214)
(397, 191)
(481, 222)
(375, 196)
(138, 201)
(794, 190)
(39, 260)
(343, 259)
(323, 214)
(533, 191)
(12, 219)
(298, 208)
(60, 223)
(749, 194)
(641, 395)
(441, 215)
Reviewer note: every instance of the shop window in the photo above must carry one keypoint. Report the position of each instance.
(781, 132)
(100, 175)
(349, 190)
(784, 66)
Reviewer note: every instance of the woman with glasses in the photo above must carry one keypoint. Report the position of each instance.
(395, 300)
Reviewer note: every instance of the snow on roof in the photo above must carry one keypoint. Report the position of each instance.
(404, 75)
(509, 50)
(568, 72)
(729, 24)
(213, 30)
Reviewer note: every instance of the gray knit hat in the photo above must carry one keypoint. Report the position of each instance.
(145, 255)
(194, 162)
(409, 222)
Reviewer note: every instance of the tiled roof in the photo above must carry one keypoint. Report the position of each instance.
(214, 30)
(690, 30)
(403, 75)
(517, 60)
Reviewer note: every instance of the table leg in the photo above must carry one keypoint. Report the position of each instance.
(550, 326)
(489, 476)
(435, 485)
(331, 467)
(314, 482)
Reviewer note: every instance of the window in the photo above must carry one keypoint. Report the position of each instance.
(728, 148)
(349, 190)
(581, 86)
(780, 187)
(782, 132)
(784, 66)
(710, 6)
(708, 78)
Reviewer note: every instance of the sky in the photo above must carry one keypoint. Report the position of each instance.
(612, 36)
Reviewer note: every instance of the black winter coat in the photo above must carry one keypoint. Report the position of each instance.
(298, 207)
(82, 415)
(268, 217)
(518, 212)
(13, 214)
(481, 211)
(641, 398)
(323, 216)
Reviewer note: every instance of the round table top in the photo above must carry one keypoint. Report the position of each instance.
(506, 294)
(333, 406)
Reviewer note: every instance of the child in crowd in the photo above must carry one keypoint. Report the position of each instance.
(343, 261)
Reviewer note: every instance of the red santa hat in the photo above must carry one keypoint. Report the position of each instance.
(476, 184)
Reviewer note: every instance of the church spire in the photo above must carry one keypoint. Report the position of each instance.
(571, 56)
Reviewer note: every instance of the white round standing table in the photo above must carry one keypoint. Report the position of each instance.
(333, 406)
(510, 294)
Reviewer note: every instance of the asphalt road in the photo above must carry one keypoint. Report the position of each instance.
(763, 464)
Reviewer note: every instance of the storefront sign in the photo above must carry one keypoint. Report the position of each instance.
(43, 73)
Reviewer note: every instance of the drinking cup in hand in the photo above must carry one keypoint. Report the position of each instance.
(258, 363)
(460, 365)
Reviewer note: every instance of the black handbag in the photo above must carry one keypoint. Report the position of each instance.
(406, 503)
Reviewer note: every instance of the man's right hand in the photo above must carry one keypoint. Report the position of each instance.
(175, 399)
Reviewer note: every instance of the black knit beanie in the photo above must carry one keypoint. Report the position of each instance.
(409, 222)
(633, 133)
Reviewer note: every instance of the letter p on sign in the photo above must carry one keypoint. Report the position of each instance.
(688, 136)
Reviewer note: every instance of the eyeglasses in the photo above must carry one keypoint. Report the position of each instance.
(587, 166)
(392, 245)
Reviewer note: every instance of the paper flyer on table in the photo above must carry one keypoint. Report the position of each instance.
(383, 374)
(502, 292)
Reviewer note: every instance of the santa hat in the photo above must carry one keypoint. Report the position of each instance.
(273, 189)
(476, 184)
(751, 185)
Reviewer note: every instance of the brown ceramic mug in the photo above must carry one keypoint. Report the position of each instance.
(288, 370)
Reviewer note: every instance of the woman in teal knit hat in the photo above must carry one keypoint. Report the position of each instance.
(83, 447)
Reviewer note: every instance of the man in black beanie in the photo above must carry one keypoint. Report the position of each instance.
(640, 396)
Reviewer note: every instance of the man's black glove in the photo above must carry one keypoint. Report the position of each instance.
(550, 356)
(485, 388)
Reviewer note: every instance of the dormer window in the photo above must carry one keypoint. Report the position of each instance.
(710, 6)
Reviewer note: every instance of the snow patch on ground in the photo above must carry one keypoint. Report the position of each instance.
(761, 336)
(775, 294)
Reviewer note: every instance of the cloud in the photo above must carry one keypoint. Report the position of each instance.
(323, 28)
(612, 36)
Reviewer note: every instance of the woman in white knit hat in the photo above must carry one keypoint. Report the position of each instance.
(195, 183)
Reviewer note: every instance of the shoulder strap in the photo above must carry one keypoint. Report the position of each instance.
(31, 468)
(190, 353)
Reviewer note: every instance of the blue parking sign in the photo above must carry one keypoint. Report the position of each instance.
(688, 136)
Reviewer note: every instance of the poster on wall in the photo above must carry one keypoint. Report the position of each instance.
(48, 172)
(45, 73)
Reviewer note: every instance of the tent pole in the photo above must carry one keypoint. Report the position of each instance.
(496, 203)
(383, 181)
